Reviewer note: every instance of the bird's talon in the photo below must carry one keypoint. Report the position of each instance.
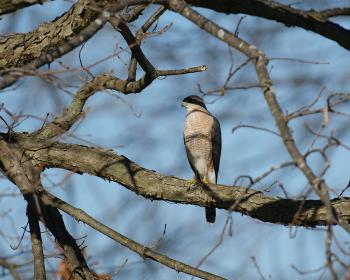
(205, 181)
(192, 184)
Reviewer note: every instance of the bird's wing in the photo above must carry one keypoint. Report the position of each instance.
(191, 161)
(216, 150)
(189, 155)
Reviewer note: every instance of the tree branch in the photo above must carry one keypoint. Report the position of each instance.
(25, 176)
(336, 12)
(64, 122)
(11, 75)
(11, 267)
(37, 246)
(149, 184)
(134, 45)
(308, 20)
(10, 6)
(19, 49)
(143, 251)
(139, 36)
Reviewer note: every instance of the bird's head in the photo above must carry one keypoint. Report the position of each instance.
(193, 101)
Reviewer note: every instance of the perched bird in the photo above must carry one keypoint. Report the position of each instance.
(202, 138)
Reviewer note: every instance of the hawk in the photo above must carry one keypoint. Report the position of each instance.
(202, 138)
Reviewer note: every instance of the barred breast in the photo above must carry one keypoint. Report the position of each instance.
(199, 145)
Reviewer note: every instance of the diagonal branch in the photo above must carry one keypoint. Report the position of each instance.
(308, 20)
(134, 46)
(335, 12)
(143, 251)
(37, 246)
(63, 123)
(139, 35)
(11, 267)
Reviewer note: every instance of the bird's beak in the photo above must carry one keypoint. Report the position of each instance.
(183, 104)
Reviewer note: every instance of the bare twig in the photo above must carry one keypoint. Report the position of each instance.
(258, 268)
(335, 12)
(348, 185)
(254, 127)
(329, 261)
(217, 243)
(11, 267)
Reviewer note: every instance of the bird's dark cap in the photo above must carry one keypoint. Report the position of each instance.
(195, 99)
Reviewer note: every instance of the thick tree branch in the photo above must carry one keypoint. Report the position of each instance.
(109, 166)
(19, 49)
(11, 75)
(308, 20)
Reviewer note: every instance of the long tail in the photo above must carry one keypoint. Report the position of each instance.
(210, 214)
